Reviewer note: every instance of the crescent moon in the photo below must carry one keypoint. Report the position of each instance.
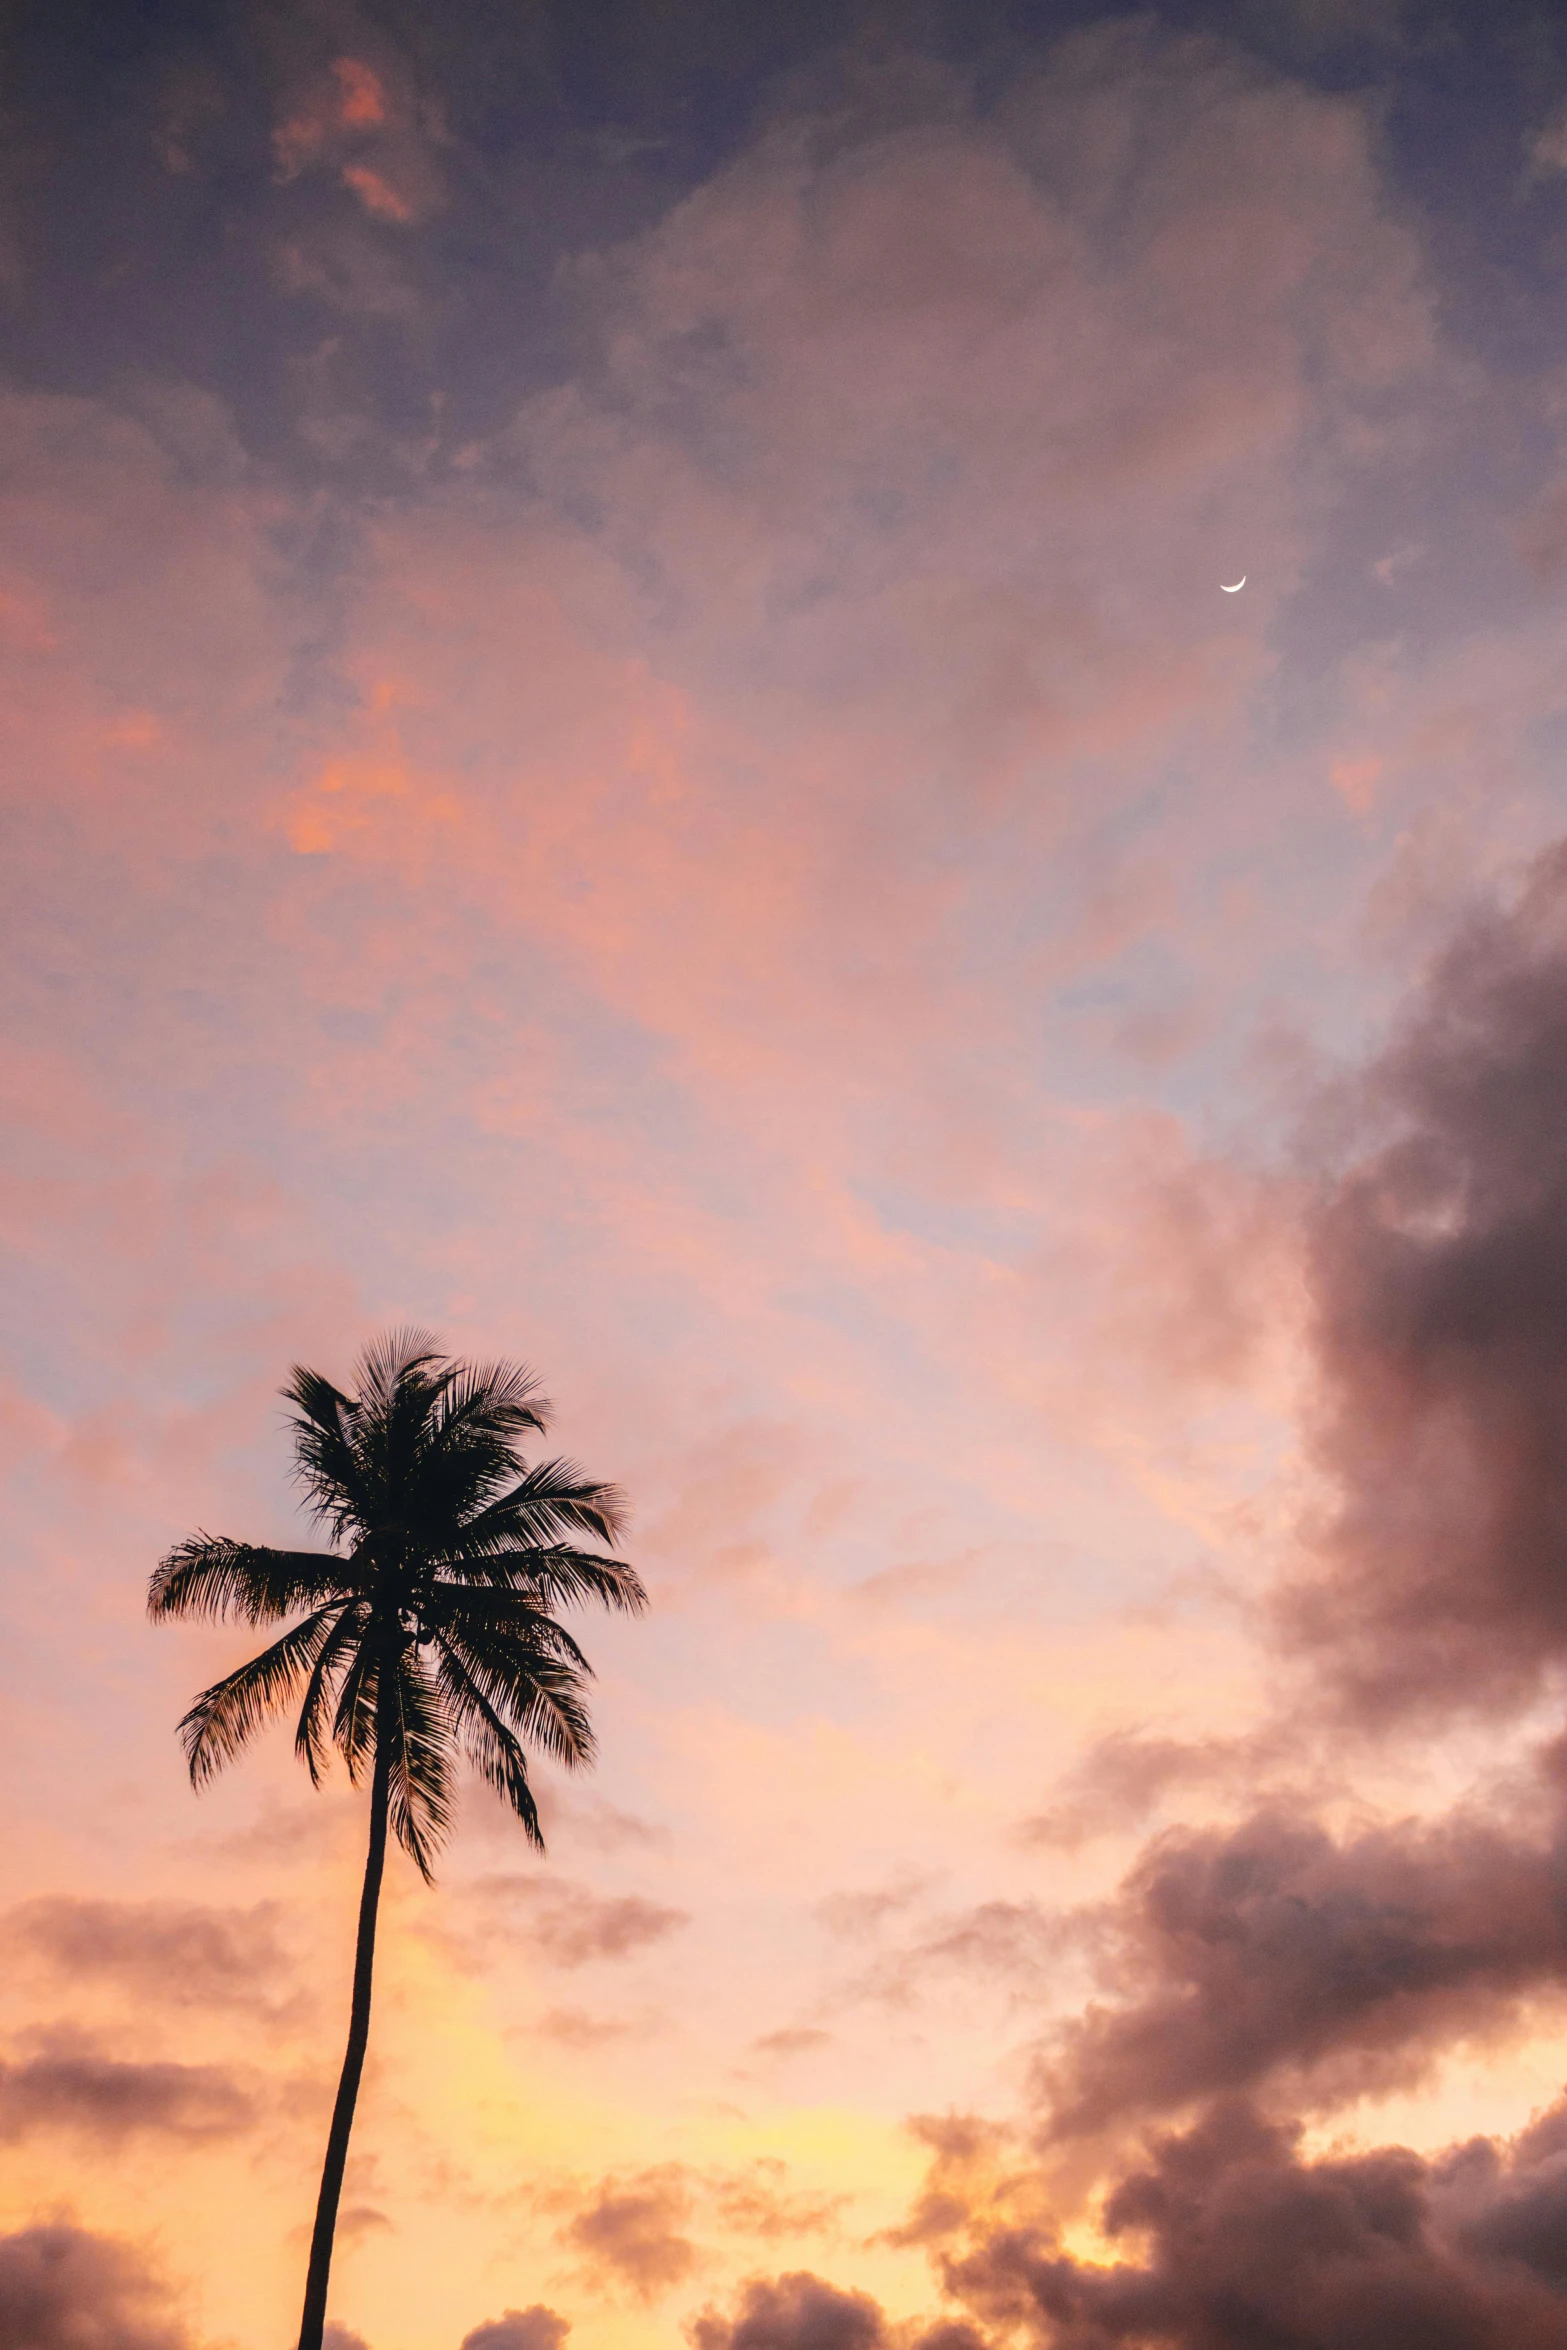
(1236, 589)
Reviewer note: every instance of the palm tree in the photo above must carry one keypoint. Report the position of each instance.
(427, 1630)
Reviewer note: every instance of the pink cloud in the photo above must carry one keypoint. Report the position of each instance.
(362, 94)
(379, 198)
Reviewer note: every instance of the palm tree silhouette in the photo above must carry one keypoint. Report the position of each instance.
(428, 1630)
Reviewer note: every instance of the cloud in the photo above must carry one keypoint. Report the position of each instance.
(1243, 2242)
(351, 110)
(756, 2202)
(1010, 1942)
(1438, 1258)
(62, 2288)
(796, 2312)
(857, 1916)
(573, 2027)
(1126, 1774)
(1225, 2236)
(801, 2312)
(106, 2100)
(630, 2233)
(534, 2328)
(1271, 1950)
(180, 1954)
(1548, 147)
(570, 1925)
(648, 804)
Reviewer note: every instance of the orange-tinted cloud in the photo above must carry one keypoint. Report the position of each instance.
(379, 198)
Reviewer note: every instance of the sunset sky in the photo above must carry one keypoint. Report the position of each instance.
(619, 738)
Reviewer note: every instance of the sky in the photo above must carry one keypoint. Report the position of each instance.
(621, 740)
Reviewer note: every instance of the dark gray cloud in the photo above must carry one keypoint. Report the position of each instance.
(1273, 1951)
(1242, 2245)
(1439, 1271)
(106, 2100)
(534, 2328)
(64, 2289)
(174, 1953)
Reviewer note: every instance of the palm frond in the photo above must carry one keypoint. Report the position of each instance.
(326, 1458)
(553, 1499)
(354, 1718)
(541, 1693)
(394, 1358)
(468, 1444)
(490, 1399)
(227, 1716)
(400, 1434)
(209, 1575)
(418, 1730)
(311, 1737)
(492, 1748)
(479, 1614)
(556, 1574)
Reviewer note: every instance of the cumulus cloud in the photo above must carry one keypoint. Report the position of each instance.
(62, 2288)
(1439, 1271)
(1224, 2236)
(1271, 1950)
(1240, 2241)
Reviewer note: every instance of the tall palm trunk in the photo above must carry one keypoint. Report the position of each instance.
(314, 2319)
